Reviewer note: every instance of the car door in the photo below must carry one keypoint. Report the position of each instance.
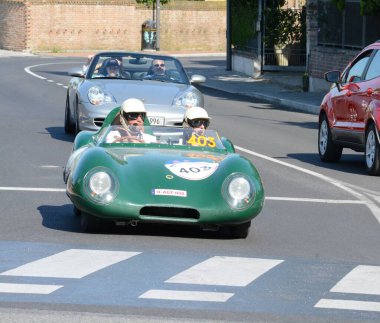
(363, 96)
(351, 93)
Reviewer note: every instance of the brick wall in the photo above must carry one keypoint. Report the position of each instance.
(62, 25)
(323, 59)
(13, 25)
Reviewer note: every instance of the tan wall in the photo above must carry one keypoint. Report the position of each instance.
(63, 25)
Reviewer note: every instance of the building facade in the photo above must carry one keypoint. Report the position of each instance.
(76, 25)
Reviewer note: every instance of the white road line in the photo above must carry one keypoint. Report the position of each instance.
(72, 263)
(32, 189)
(186, 295)
(348, 305)
(225, 271)
(28, 288)
(28, 68)
(299, 199)
(361, 280)
(272, 198)
(375, 210)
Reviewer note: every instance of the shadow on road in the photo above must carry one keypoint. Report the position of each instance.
(349, 163)
(62, 218)
(58, 133)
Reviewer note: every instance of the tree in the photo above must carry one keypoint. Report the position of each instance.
(243, 20)
(367, 7)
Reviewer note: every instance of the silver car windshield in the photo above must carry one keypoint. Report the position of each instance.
(137, 67)
(154, 135)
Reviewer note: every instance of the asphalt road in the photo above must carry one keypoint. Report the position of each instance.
(312, 254)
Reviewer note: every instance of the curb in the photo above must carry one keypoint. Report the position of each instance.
(294, 105)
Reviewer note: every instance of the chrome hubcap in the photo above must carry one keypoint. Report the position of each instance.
(323, 137)
(370, 149)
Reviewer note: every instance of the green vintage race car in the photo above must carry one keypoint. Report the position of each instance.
(169, 175)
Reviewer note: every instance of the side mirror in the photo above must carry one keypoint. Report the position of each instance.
(197, 79)
(332, 76)
(76, 72)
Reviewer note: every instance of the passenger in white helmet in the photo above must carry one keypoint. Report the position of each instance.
(197, 120)
(131, 120)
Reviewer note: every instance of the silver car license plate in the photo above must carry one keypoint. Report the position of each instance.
(156, 121)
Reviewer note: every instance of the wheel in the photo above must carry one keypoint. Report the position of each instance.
(76, 125)
(372, 151)
(69, 127)
(239, 231)
(328, 151)
(90, 223)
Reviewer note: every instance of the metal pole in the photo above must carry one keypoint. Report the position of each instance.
(228, 38)
(158, 25)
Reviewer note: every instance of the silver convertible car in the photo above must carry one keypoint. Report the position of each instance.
(111, 77)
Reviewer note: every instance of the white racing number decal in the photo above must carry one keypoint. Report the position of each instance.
(193, 171)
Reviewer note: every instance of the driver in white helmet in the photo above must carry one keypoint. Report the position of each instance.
(131, 120)
(196, 119)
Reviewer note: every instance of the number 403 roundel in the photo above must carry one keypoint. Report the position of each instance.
(192, 170)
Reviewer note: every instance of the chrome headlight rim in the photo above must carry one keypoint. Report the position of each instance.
(238, 191)
(93, 189)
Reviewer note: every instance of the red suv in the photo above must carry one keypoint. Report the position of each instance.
(349, 116)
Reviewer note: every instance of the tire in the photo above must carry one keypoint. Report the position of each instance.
(328, 151)
(239, 231)
(372, 151)
(90, 223)
(77, 212)
(76, 125)
(69, 127)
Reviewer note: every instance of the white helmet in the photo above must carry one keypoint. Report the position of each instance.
(133, 105)
(196, 113)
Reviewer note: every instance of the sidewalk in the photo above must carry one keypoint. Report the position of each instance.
(282, 88)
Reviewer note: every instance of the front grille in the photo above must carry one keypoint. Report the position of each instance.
(98, 122)
(170, 212)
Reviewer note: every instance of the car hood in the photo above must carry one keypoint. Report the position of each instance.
(151, 92)
(167, 161)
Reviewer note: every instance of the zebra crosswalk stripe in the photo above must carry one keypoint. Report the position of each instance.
(225, 271)
(72, 263)
(180, 295)
(28, 288)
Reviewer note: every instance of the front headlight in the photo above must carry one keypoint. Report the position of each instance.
(97, 96)
(238, 191)
(101, 185)
(187, 99)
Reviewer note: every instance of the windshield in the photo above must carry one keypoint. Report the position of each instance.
(158, 136)
(137, 67)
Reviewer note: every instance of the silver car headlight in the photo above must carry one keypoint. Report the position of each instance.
(187, 99)
(100, 185)
(238, 191)
(97, 96)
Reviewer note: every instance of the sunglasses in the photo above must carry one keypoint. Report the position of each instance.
(159, 65)
(134, 115)
(196, 123)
